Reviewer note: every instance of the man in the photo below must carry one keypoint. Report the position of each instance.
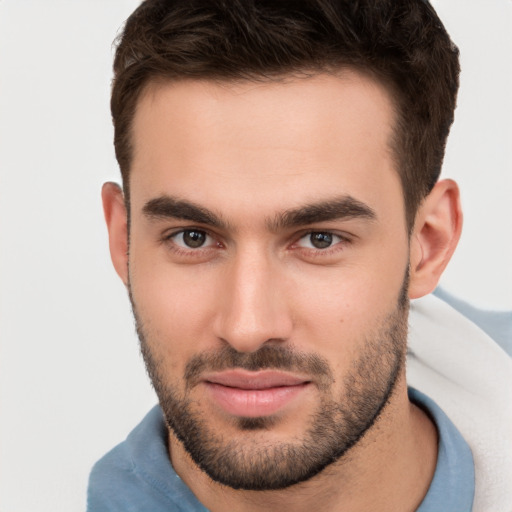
(280, 207)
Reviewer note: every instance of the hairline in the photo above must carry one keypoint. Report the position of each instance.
(152, 83)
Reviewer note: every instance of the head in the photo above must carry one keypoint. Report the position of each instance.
(401, 44)
(279, 165)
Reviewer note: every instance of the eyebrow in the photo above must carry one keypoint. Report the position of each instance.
(344, 207)
(167, 207)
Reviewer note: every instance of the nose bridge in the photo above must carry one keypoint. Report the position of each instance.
(253, 311)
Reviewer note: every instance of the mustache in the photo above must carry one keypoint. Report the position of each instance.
(267, 357)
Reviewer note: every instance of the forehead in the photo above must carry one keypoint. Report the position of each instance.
(288, 140)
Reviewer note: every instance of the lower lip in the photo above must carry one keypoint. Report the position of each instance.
(253, 403)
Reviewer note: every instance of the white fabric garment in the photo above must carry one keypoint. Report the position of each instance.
(469, 376)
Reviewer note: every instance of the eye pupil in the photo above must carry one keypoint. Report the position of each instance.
(321, 240)
(194, 239)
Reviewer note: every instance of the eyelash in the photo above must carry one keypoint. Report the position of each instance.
(335, 247)
(167, 239)
(340, 245)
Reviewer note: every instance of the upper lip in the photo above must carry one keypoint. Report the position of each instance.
(262, 379)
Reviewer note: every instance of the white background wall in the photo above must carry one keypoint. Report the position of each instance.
(71, 381)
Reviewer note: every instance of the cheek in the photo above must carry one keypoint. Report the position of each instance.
(340, 312)
(348, 297)
(174, 306)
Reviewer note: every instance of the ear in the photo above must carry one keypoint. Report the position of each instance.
(117, 224)
(435, 236)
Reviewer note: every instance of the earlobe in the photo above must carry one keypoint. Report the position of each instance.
(435, 236)
(117, 224)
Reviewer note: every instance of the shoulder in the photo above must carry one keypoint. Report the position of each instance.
(454, 361)
(496, 324)
(136, 475)
(109, 480)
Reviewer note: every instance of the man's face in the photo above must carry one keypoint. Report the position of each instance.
(267, 269)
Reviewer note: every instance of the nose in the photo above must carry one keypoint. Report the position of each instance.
(252, 308)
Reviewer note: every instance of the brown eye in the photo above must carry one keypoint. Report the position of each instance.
(191, 239)
(194, 239)
(321, 240)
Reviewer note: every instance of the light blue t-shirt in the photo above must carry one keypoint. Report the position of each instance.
(137, 475)
(453, 487)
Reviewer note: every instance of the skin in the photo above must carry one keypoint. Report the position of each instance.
(248, 153)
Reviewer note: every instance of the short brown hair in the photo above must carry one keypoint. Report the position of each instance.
(401, 43)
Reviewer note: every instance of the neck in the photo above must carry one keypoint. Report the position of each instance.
(389, 469)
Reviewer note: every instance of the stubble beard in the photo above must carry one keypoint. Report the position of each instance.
(342, 418)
